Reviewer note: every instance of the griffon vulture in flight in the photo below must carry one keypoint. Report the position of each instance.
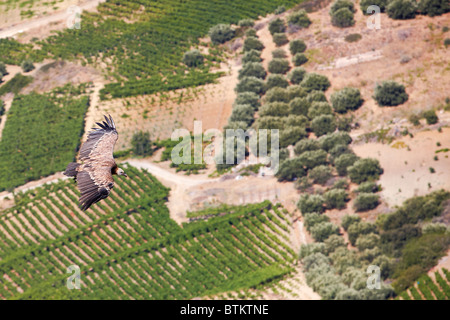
(94, 175)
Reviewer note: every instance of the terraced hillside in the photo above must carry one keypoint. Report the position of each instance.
(127, 247)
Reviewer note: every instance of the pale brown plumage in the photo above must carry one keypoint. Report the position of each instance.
(94, 174)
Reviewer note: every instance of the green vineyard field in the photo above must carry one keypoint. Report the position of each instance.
(41, 135)
(128, 247)
(429, 289)
(142, 42)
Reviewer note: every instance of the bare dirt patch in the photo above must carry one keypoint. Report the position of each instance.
(407, 168)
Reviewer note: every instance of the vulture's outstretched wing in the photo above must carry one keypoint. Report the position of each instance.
(95, 179)
(94, 184)
(100, 142)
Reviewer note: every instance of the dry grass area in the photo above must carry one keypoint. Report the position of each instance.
(407, 168)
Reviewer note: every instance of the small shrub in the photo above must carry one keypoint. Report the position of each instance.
(314, 81)
(296, 75)
(277, 26)
(401, 9)
(342, 18)
(221, 33)
(346, 99)
(353, 37)
(141, 144)
(252, 69)
(414, 119)
(298, 59)
(390, 93)
(366, 201)
(193, 58)
(27, 65)
(253, 43)
(280, 39)
(297, 46)
(299, 19)
(280, 66)
(447, 42)
(430, 116)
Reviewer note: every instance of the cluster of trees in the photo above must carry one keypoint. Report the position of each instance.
(407, 9)
(341, 13)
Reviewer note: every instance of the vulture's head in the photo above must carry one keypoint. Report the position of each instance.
(120, 172)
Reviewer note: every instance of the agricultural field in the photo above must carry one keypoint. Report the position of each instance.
(429, 289)
(141, 50)
(41, 135)
(127, 247)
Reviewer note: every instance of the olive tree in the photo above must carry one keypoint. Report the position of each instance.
(390, 93)
(314, 81)
(296, 75)
(221, 33)
(323, 124)
(347, 99)
(252, 69)
(365, 169)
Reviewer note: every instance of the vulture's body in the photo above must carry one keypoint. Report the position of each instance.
(94, 175)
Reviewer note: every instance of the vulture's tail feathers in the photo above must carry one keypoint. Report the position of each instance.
(71, 170)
